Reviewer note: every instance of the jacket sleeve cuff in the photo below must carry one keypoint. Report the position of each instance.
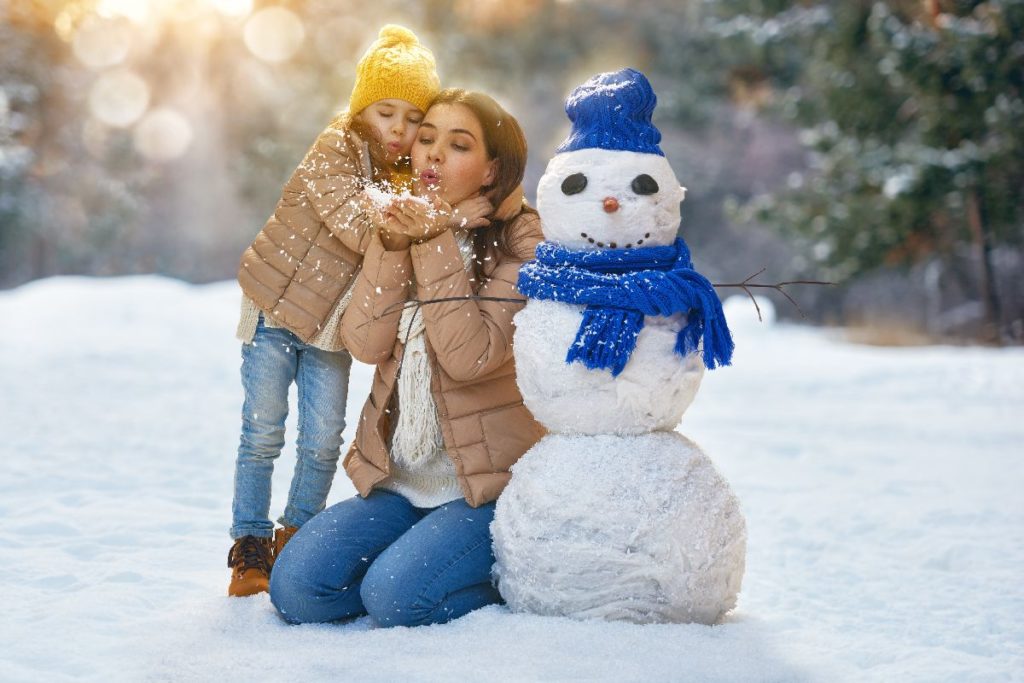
(390, 269)
(436, 259)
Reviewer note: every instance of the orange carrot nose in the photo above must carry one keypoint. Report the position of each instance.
(611, 204)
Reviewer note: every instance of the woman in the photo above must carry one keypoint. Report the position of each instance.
(444, 420)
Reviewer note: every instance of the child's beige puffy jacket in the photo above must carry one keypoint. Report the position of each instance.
(303, 260)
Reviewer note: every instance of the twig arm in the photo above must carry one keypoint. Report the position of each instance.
(747, 285)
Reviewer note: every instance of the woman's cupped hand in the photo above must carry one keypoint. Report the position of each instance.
(417, 219)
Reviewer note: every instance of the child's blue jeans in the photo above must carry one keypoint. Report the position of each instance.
(379, 555)
(270, 364)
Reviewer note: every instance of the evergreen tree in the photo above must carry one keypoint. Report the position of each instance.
(916, 126)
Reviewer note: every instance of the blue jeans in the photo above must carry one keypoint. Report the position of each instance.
(270, 364)
(379, 555)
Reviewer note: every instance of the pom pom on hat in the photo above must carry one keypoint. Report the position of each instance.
(393, 34)
(395, 66)
(613, 111)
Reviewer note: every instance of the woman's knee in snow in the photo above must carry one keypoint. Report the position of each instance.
(391, 596)
(292, 594)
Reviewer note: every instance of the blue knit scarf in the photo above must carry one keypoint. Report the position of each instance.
(621, 286)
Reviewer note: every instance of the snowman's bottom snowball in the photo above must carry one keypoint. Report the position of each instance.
(635, 528)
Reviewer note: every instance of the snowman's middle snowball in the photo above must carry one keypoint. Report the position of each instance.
(652, 392)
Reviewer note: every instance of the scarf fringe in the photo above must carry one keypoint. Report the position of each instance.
(416, 436)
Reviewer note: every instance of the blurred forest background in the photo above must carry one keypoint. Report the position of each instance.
(878, 145)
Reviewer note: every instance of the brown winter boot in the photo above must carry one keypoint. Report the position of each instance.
(250, 561)
(281, 536)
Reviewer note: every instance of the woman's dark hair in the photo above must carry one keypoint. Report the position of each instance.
(506, 145)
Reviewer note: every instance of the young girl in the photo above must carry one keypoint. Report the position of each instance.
(295, 277)
(444, 421)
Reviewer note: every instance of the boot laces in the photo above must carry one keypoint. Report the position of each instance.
(249, 553)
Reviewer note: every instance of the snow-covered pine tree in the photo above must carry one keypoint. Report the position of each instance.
(915, 123)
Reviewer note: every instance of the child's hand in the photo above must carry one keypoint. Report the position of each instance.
(376, 213)
(471, 213)
(388, 229)
(511, 205)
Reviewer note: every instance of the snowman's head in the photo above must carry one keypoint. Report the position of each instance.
(596, 198)
(609, 184)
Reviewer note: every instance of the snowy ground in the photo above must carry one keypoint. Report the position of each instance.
(882, 489)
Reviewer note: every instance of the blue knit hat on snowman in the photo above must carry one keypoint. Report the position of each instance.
(619, 287)
(613, 111)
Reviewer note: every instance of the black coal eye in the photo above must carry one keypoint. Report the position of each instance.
(574, 184)
(644, 184)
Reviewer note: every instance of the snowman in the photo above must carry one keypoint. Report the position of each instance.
(613, 514)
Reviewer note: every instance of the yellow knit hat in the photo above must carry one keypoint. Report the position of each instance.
(395, 66)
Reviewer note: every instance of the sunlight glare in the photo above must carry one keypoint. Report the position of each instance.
(143, 12)
(232, 8)
(138, 11)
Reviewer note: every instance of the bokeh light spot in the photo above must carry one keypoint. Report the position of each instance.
(274, 34)
(99, 43)
(67, 20)
(118, 98)
(162, 135)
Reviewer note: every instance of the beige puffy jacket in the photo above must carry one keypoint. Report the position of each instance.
(303, 260)
(485, 425)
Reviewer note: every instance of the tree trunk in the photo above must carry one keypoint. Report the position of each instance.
(982, 237)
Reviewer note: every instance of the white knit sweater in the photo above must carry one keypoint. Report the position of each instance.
(421, 469)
